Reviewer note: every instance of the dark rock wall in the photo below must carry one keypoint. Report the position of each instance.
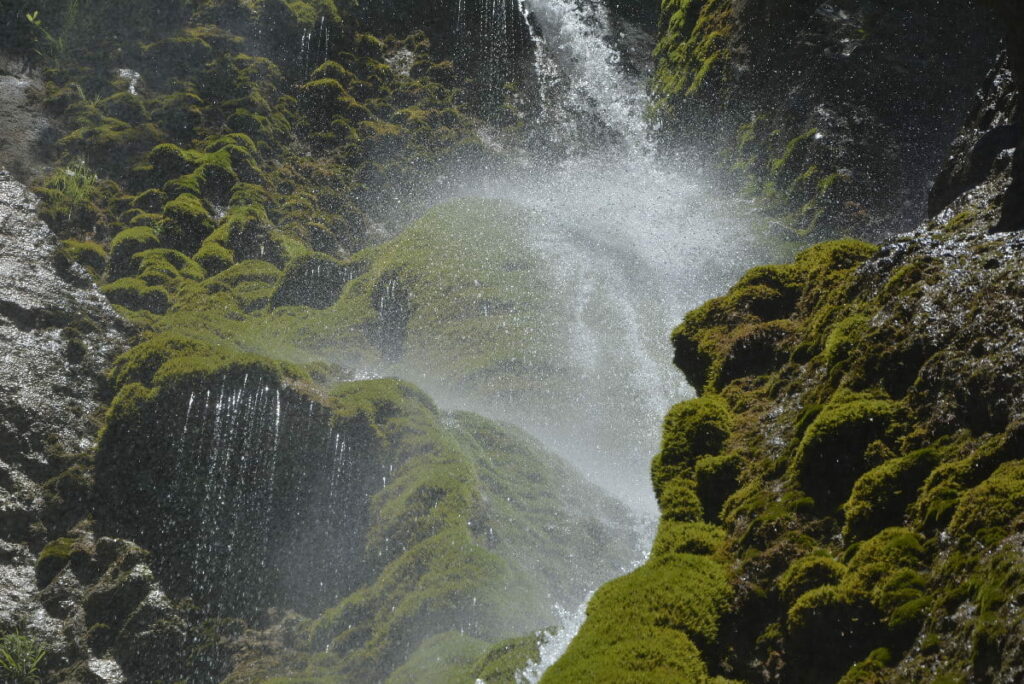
(836, 114)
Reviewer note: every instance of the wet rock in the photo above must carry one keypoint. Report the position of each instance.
(826, 109)
(24, 131)
(985, 147)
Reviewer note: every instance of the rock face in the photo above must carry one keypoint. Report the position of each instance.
(843, 501)
(24, 131)
(59, 334)
(827, 110)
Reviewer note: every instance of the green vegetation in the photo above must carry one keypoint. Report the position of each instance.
(835, 506)
(20, 659)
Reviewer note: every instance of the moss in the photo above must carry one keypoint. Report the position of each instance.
(140, 363)
(214, 257)
(946, 483)
(713, 333)
(717, 478)
(986, 511)
(881, 496)
(125, 106)
(249, 235)
(885, 570)
(807, 573)
(314, 280)
(643, 627)
(692, 50)
(52, 559)
(186, 223)
(441, 659)
(844, 337)
(786, 168)
(70, 197)
(334, 71)
(695, 428)
(136, 294)
(324, 99)
(874, 668)
(505, 659)
(251, 283)
(126, 244)
(699, 538)
(90, 255)
(833, 451)
(165, 266)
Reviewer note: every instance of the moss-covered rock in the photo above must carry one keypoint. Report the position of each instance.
(186, 223)
(137, 294)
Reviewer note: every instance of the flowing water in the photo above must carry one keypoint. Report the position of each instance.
(633, 238)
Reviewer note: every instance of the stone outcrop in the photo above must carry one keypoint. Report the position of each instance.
(828, 112)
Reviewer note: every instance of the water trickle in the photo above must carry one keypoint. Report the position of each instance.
(258, 499)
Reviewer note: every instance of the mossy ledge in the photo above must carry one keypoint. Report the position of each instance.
(843, 501)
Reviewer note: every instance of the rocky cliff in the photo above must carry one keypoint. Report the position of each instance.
(836, 115)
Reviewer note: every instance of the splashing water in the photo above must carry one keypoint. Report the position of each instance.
(633, 241)
(574, 54)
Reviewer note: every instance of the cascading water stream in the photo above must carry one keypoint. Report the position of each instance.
(633, 240)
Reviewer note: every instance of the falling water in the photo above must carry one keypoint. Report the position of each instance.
(632, 239)
(261, 498)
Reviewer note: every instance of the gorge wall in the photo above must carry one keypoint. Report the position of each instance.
(838, 115)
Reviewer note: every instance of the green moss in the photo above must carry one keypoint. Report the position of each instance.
(717, 478)
(643, 627)
(186, 223)
(69, 198)
(250, 283)
(214, 257)
(707, 341)
(52, 559)
(126, 107)
(164, 267)
(986, 511)
(90, 255)
(833, 451)
(137, 294)
(441, 659)
(699, 538)
(872, 669)
(126, 244)
(139, 364)
(881, 496)
(324, 99)
(694, 428)
(807, 573)
(844, 338)
(314, 280)
(818, 611)
(505, 659)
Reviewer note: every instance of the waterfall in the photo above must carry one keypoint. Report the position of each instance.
(262, 497)
(581, 75)
(632, 238)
